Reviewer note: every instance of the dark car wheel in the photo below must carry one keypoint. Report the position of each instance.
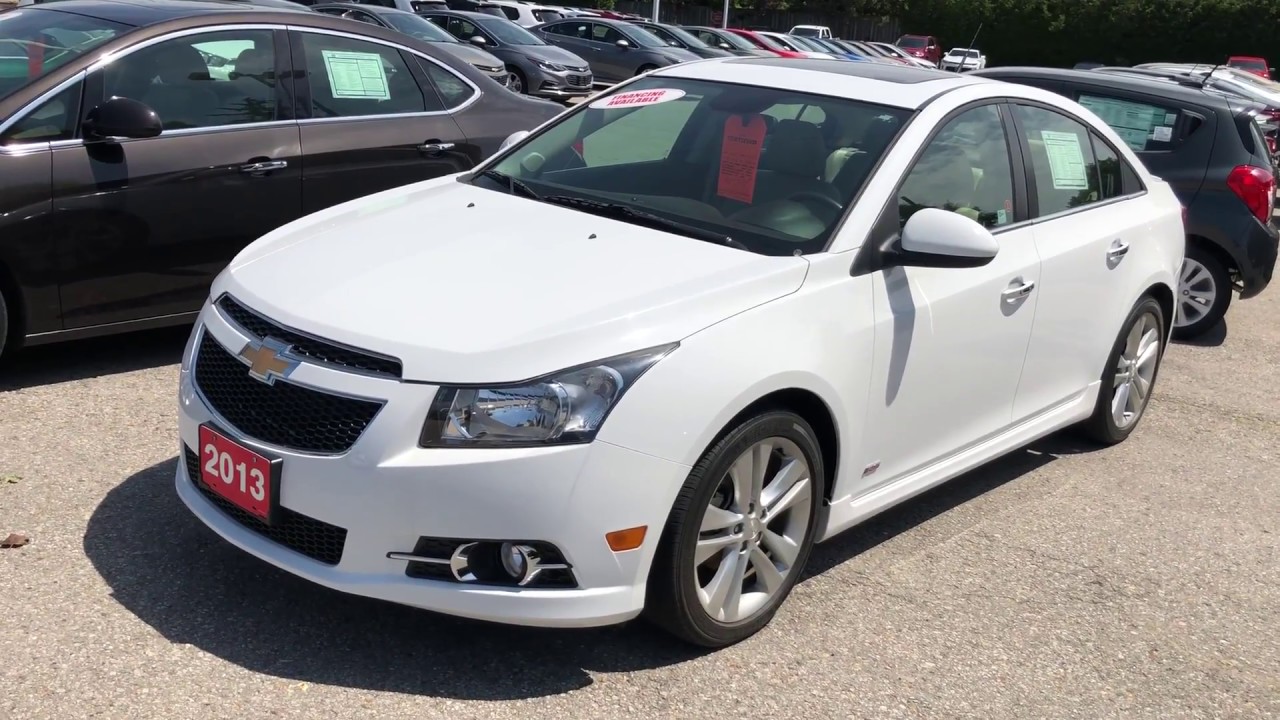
(1130, 374)
(4, 325)
(1204, 293)
(518, 83)
(645, 68)
(739, 533)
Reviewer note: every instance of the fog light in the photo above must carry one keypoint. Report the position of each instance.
(514, 560)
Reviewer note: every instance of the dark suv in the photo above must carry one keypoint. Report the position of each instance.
(1209, 147)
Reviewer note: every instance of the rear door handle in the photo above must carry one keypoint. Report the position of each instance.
(435, 146)
(1017, 290)
(1119, 249)
(264, 166)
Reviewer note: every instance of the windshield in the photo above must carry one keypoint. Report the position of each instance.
(1253, 64)
(688, 38)
(773, 169)
(736, 41)
(640, 37)
(807, 31)
(509, 33)
(35, 42)
(417, 26)
(911, 41)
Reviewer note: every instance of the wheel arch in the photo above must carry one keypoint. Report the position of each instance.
(1164, 295)
(17, 316)
(1216, 249)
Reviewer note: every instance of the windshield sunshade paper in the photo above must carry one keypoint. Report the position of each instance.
(740, 156)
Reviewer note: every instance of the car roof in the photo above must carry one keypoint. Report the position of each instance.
(1137, 82)
(139, 13)
(374, 9)
(891, 84)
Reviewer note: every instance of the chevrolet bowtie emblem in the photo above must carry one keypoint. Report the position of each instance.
(268, 360)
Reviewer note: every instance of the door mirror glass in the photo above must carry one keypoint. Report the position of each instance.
(934, 237)
(477, 40)
(624, 44)
(513, 138)
(122, 117)
(725, 46)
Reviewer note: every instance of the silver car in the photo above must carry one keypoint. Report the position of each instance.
(616, 50)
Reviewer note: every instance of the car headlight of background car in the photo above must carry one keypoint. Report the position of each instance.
(550, 66)
(564, 407)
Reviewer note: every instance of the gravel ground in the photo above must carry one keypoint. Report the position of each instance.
(1137, 582)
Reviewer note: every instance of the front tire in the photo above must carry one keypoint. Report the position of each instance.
(1204, 293)
(740, 532)
(1130, 375)
(517, 82)
(644, 69)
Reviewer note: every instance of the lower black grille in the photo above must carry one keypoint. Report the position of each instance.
(282, 414)
(305, 347)
(316, 539)
(578, 80)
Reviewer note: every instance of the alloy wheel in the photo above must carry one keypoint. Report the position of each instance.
(1135, 371)
(1197, 292)
(515, 83)
(752, 530)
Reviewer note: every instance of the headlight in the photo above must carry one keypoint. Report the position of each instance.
(565, 407)
(550, 66)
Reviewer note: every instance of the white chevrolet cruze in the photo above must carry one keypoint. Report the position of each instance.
(643, 358)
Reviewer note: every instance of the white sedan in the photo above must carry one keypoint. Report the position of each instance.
(963, 60)
(643, 358)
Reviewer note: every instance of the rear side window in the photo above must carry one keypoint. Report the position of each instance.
(1144, 127)
(354, 78)
(1116, 178)
(1062, 160)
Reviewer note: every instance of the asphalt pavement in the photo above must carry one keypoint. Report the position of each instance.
(1141, 581)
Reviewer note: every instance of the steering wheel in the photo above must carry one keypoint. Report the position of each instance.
(824, 199)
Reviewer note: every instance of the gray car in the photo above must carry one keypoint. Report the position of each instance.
(678, 37)
(420, 28)
(616, 50)
(536, 67)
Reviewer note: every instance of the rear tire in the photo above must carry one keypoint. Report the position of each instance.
(4, 325)
(739, 533)
(1203, 294)
(518, 83)
(645, 68)
(1130, 375)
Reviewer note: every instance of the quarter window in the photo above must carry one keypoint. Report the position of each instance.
(964, 169)
(355, 78)
(453, 91)
(1062, 160)
(1142, 126)
(56, 119)
(200, 81)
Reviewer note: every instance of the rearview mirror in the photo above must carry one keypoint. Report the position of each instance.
(122, 117)
(477, 40)
(624, 44)
(944, 239)
(513, 138)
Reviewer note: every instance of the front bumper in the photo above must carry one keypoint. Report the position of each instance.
(561, 84)
(386, 493)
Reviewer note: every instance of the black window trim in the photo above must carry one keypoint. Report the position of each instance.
(1033, 200)
(887, 229)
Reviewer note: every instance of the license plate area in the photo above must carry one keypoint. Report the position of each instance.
(244, 477)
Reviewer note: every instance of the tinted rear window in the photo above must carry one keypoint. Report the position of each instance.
(912, 41)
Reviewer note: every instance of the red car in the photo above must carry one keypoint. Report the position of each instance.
(925, 47)
(1252, 64)
(765, 43)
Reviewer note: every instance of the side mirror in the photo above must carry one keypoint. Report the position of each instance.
(513, 138)
(725, 46)
(624, 44)
(477, 40)
(122, 117)
(944, 239)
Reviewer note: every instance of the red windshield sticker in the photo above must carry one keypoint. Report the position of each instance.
(740, 157)
(35, 60)
(638, 98)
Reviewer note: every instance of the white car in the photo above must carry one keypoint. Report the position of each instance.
(526, 15)
(963, 60)
(640, 360)
(818, 31)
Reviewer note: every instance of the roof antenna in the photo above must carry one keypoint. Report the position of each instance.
(971, 43)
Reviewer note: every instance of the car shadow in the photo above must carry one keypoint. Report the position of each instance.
(180, 578)
(93, 357)
(1213, 337)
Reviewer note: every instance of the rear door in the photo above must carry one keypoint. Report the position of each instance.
(144, 225)
(371, 118)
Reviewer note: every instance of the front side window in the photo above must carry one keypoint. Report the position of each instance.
(730, 160)
(966, 169)
(355, 78)
(418, 27)
(1144, 127)
(206, 80)
(1062, 160)
(56, 119)
(569, 29)
(35, 42)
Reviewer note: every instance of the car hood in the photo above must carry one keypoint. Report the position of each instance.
(467, 285)
(471, 54)
(676, 54)
(550, 53)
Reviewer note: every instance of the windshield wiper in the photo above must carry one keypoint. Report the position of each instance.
(514, 186)
(640, 217)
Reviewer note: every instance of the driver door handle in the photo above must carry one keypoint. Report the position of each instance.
(435, 146)
(1017, 290)
(264, 166)
(1118, 250)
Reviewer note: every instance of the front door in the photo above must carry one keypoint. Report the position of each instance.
(144, 225)
(950, 343)
(373, 119)
(1080, 190)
